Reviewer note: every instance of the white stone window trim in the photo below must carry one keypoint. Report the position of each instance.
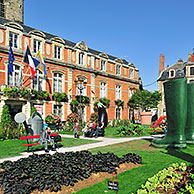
(19, 41)
(104, 65)
(60, 104)
(119, 66)
(58, 45)
(131, 75)
(190, 70)
(116, 92)
(63, 78)
(172, 70)
(6, 70)
(43, 81)
(104, 95)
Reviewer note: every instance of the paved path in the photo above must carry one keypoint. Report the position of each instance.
(104, 141)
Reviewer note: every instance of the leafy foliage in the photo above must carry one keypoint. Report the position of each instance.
(26, 93)
(8, 128)
(164, 180)
(60, 97)
(73, 117)
(74, 106)
(43, 172)
(131, 130)
(119, 103)
(82, 99)
(144, 99)
(52, 119)
(33, 110)
(94, 117)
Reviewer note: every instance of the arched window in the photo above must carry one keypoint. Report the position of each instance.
(57, 82)
(37, 83)
(16, 78)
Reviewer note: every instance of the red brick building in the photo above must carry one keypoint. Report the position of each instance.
(66, 61)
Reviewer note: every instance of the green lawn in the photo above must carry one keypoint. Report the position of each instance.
(112, 132)
(153, 160)
(9, 148)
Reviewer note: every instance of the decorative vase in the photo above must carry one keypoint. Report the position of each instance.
(146, 118)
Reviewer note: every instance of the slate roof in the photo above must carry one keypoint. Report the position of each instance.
(179, 69)
(28, 29)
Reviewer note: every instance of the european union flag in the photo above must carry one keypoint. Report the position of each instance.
(11, 60)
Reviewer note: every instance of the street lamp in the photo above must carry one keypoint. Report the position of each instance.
(80, 85)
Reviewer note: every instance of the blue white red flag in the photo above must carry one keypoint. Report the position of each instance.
(31, 61)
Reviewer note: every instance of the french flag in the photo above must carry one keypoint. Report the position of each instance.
(31, 61)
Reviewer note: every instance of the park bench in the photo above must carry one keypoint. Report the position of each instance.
(29, 144)
(157, 124)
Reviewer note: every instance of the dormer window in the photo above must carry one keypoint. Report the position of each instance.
(131, 73)
(57, 52)
(192, 71)
(13, 40)
(103, 65)
(37, 46)
(81, 58)
(172, 73)
(118, 69)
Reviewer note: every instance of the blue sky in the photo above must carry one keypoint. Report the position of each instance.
(137, 30)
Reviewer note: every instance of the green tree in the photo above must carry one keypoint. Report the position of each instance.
(33, 110)
(144, 99)
(7, 124)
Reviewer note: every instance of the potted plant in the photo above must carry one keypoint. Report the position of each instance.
(82, 99)
(144, 100)
(119, 103)
(60, 97)
(52, 120)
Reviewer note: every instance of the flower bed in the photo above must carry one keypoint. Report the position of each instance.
(43, 172)
(52, 119)
(178, 178)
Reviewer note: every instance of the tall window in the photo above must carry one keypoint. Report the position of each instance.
(131, 73)
(57, 80)
(118, 113)
(13, 40)
(102, 90)
(103, 65)
(58, 110)
(16, 78)
(92, 61)
(57, 52)
(37, 46)
(118, 92)
(81, 58)
(38, 81)
(118, 69)
(130, 93)
(81, 89)
(192, 71)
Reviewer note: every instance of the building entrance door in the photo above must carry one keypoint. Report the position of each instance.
(14, 108)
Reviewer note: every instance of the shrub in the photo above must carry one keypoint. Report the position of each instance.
(60, 97)
(8, 128)
(119, 103)
(131, 130)
(74, 105)
(52, 118)
(72, 118)
(33, 110)
(82, 99)
(94, 117)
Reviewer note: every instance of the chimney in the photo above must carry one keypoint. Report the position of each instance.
(162, 66)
